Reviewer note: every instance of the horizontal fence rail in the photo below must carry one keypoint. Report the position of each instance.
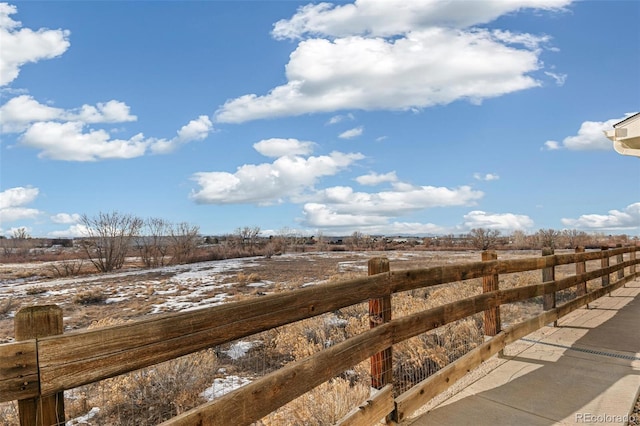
(37, 367)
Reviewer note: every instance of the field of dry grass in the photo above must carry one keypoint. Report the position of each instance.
(156, 393)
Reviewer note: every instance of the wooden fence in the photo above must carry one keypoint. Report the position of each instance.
(43, 362)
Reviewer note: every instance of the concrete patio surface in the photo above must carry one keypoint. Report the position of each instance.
(585, 371)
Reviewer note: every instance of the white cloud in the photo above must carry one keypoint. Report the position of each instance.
(486, 177)
(74, 231)
(12, 202)
(321, 216)
(402, 200)
(65, 218)
(19, 112)
(399, 55)
(62, 134)
(23, 45)
(339, 118)
(287, 177)
(331, 222)
(68, 141)
(276, 147)
(383, 18)
(376, 179)
(559, 78)
(108, 112)
(195, 130)
(499, 221)
(71, 141)
(22, 111)
(429, 67)
(614, 220)
(351, 133)
(590, 137)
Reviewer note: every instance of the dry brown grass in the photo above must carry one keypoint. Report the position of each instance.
(147, 396)
(89, 297)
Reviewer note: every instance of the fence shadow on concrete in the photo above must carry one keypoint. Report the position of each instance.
(585, 370)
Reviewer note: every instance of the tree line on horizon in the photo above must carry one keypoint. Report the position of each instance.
(111, 237)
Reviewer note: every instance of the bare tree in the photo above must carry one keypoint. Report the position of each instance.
(519, 239)
(153, 244)
(184, 241)
(108, 238)
(356, 240)
(484, 239)
(21, 242)
(20, 234)
(572, 238)
(248, 236)
(547, 238)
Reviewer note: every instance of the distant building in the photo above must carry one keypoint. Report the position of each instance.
(625, 136)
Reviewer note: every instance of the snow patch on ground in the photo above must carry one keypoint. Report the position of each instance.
(240, 349)
(223, 386)
(83, 420)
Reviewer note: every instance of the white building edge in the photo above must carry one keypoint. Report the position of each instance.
(625, 135)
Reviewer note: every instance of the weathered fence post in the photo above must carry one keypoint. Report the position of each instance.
(632, 268)
(619, 260)
(31, 323)
(581, 268)
(491, 283)
(379, 313)
(549, 274)
(604, 263)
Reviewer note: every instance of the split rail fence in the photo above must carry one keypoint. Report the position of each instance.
(44, 361)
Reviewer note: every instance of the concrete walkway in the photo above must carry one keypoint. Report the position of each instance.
(585, 371)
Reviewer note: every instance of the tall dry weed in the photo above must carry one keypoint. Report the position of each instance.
(324, 405)
(148, 396)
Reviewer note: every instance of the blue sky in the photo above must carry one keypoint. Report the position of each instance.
(383, 117)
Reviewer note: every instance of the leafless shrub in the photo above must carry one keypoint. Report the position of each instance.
(89, 297)
(32, 291)
(248, 278)
(153, 245)
(184, 241)
(66, 268)
(108, 238)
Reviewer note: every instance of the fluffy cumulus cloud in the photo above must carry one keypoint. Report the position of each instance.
(276, 147)
(13, 203)
(499, 221)
(340, 209)
(294, 173)
(321, 216)
(64, 134)
(400, 200)
(74, 141)
(23, 45)
(287, 177)
(19, 113)
(590, 137)
(195, 130)
(629, 218)
(65, 218)
(384, 18)
(74, 231)
(373, 178)
(376, 54)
